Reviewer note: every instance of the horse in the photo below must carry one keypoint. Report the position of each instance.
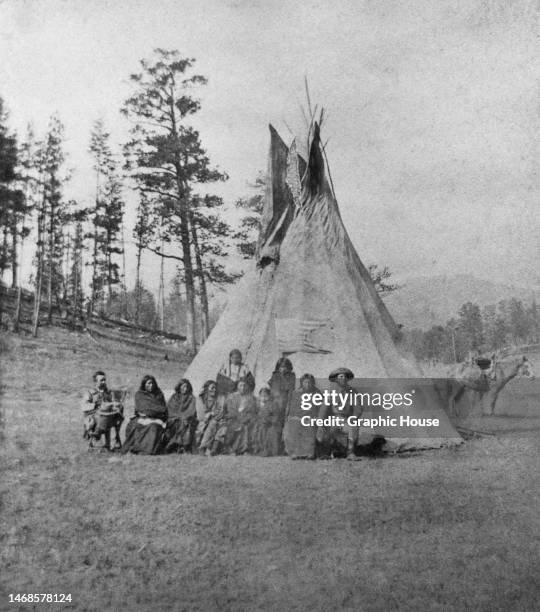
(480, 380)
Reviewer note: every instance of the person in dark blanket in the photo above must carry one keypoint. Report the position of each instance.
(145, 432)
(182, 419)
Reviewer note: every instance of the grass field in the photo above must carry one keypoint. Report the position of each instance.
(437, 530)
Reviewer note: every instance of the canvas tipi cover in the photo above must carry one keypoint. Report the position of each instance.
(307, 296)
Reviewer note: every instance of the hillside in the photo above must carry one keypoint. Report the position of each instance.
(425, 301)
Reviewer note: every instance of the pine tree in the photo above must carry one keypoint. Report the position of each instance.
(56, 211)
(210, 238)
(12, 201)
(107, 218)
(141, 233)
(53, 213)
(166, 155)
(75, 286)
(29, 180)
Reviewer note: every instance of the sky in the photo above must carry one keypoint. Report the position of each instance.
(433, 109)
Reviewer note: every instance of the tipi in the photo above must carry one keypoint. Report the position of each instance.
(308, 296)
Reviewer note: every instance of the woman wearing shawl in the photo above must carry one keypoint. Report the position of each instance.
(182, 419)
(241, 413)
(282, 383)
(231, 372)
(300, 439)
(267, 431)
(212, 417)
(145, 432)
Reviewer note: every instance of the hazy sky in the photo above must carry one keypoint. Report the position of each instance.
(433, 107)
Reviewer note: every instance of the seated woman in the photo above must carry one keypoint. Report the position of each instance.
(231, 372)
(145, 432)
(212, 417)
(241, 410)
(282, 383)
(267, 431)
(182, 419)
(300, 440)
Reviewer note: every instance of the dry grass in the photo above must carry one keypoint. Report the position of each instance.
(445, 530)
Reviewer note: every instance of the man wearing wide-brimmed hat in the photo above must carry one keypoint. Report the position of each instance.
(340, 439)
(341, 376)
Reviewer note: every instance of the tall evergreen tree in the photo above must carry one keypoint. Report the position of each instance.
(107, 218)
(210, 238)
(166, 155)
(12, 201)
(141, 234)
(75, 260)
(52, 215)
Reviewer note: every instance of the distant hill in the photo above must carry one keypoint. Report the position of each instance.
(425, 301)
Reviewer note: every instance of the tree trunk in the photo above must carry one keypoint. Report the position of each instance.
(124, 288)
(138, 284)
(5, 264)
(14, 258)
(203, 294)
(109, 268)
(37, 297)
(184, 210)
(94, 269)
(162, 292)
(188, 279)
(50, 266)
(76, 281)
(17, 315)
(66, 249)
(39, 269)
(17, 318)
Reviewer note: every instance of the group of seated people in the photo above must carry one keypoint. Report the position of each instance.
(225, 418)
